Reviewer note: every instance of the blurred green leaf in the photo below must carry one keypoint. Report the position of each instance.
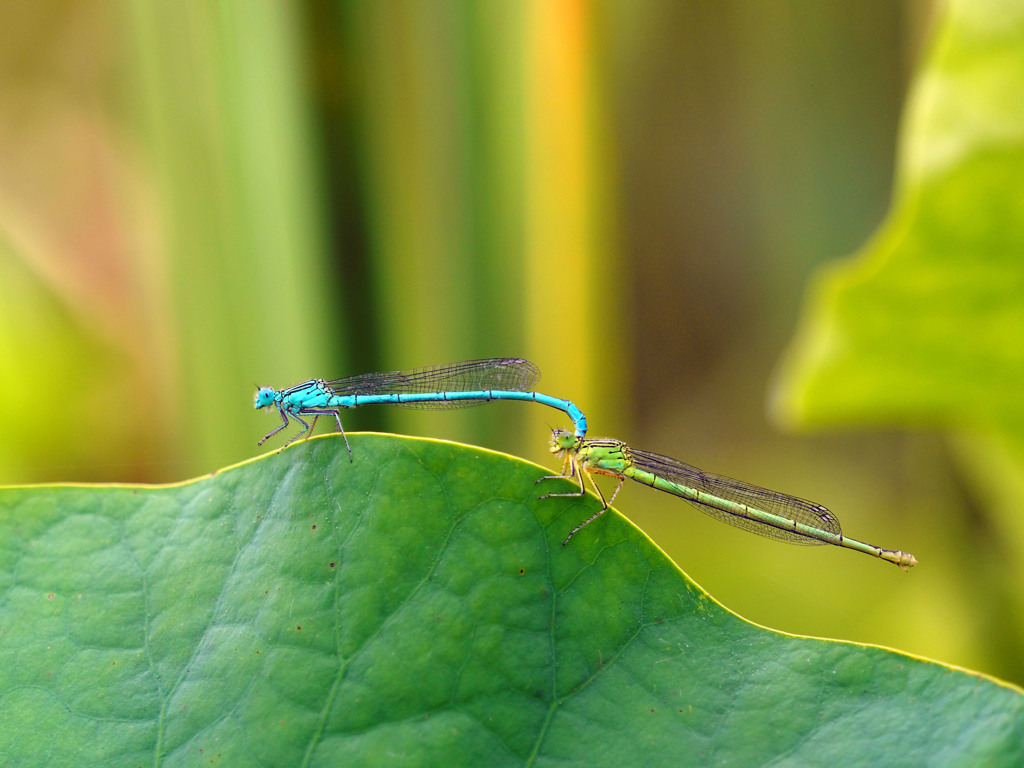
(925, 327)
(926, 324)
(416, 608)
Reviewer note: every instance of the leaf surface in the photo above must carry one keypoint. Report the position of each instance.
(416, 608)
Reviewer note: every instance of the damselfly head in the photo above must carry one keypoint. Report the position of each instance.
(562, 440)
(264, 397)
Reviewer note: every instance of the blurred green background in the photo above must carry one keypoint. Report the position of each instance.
(645, 198)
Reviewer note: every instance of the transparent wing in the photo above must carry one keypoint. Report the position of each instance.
(506, 373)
(781, 504)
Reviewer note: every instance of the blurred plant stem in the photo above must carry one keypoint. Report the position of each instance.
(218, 94)
(485, 164)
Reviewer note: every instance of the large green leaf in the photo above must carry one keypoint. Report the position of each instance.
(415, 608)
